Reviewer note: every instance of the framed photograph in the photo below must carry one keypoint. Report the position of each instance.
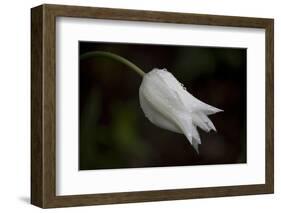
(136, 106)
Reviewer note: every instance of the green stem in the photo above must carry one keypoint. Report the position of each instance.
(114, 57)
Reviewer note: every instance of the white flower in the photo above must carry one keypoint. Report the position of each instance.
(168, 105)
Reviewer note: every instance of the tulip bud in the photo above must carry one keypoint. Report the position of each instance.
(168, 105)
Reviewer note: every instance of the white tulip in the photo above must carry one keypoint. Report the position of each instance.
(165, 101)
(167, 104)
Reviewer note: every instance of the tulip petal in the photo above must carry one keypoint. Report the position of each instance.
(207, 109)
(156, 117)
(186, 127)
(195, 134)
(196, 146)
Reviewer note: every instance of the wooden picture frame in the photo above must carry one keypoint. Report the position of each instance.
(43, 105)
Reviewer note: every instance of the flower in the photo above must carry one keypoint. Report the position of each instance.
(168, 105)
(165, 101)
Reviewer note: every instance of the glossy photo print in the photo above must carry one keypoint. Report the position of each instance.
(148, 105)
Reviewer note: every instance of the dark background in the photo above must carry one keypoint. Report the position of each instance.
(113, 130)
